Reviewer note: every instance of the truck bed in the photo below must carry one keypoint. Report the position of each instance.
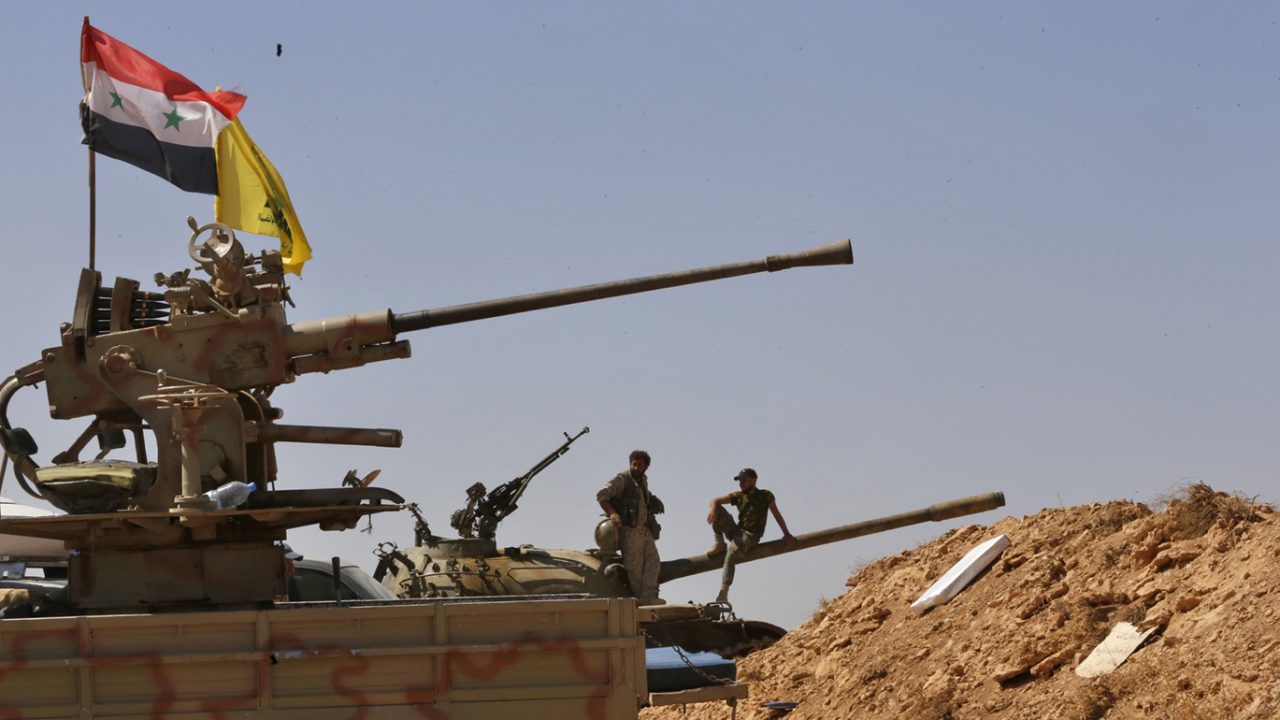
(457, 659)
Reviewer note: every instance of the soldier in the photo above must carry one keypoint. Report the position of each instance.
(291, 556)
(631, 508)
(752, 504)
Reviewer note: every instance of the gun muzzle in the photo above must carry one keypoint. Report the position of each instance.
(836, 253)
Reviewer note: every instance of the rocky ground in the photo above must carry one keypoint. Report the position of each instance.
(1204, 569)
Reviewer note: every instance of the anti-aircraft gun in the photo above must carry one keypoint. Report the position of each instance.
(195, 367)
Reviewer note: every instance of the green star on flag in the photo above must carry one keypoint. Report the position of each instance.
(140, 112)
(173, 118)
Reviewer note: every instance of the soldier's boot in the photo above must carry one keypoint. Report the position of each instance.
(718, 547)
(723, 597)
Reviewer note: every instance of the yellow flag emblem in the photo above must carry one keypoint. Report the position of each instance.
(252, 197)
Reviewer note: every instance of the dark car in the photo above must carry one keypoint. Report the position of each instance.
(312, 581)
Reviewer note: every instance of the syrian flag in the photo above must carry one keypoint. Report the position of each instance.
(143, 113)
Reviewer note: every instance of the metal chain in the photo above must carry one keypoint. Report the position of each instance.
(699, 671)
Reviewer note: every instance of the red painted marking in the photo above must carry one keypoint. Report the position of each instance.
(595, 708)
(337, 680)
(20, 653)
(94, 395)
(344, 679)
(164, 688)
(486, 668)
(216, 344)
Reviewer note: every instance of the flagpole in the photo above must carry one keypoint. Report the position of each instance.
(93, 193)
(93, 207)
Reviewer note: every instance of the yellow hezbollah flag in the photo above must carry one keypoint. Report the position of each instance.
(252, 197)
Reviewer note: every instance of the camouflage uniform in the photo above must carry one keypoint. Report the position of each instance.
(745, 534)
(631, 498)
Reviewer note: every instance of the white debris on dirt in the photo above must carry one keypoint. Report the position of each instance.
(1114, 650)
(959, 576)
(1204, 570)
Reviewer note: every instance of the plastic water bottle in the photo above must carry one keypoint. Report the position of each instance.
(230, 495)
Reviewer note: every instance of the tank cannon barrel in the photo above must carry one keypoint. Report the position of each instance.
(837, 253)
(684, 567)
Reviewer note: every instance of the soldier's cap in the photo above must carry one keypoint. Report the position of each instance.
(289, 553)
(746, 472)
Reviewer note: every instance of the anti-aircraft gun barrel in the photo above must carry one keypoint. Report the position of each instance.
(837, 253)
(352, 340)
(684, 567)
(374, 437)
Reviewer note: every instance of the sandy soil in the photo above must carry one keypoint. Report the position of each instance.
(1204, 570)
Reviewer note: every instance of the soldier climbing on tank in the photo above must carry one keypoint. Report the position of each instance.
(631, 508)
(753, 505)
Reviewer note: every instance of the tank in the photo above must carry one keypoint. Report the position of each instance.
(471, 566)
(188, 372)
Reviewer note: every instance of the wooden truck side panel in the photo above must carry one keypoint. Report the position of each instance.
(519, 659)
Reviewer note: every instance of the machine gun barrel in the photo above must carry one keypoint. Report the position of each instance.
(519, 484)
(501, 501)
(684, 567)
(837, 253)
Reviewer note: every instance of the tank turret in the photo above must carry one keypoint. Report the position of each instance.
(479, 567)
(441, 567)
(193, 366)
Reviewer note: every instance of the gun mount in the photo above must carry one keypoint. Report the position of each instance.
(194, 368)
(484, 510)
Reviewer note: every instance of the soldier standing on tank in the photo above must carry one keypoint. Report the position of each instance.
(753, 505)
(630, 506)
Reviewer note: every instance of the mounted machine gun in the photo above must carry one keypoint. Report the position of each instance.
(484, 511)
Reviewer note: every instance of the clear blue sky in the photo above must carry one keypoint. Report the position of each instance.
(1064, 218)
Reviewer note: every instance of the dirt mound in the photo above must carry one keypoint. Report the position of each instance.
(1204, 570)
